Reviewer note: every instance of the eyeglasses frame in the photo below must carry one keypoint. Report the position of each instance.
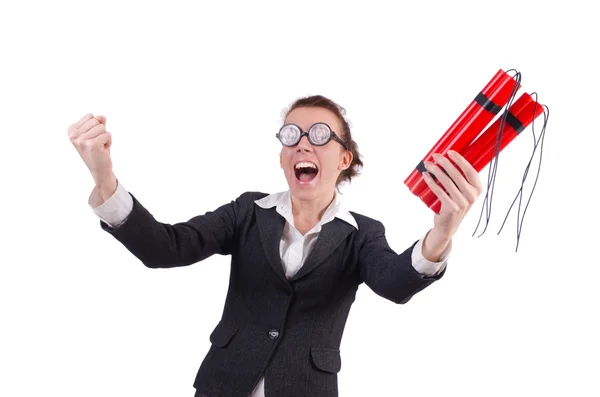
(332, 135)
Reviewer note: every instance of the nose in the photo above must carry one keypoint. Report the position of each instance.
(304, 145)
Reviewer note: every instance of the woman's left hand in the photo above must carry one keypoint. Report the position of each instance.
(460, 191)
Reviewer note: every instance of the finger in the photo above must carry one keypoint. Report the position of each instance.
(446, 182)
(467, 190)
(94, 132)
(83, 120)
(95, 144)
(103, 139)
(470, 173)
(88, 125)
(101, 119)
(446, 201)
(73, 127)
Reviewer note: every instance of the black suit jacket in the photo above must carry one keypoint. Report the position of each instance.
(287, 330)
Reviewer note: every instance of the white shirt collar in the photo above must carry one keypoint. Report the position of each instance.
(283, 202)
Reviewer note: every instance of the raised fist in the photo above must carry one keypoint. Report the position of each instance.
(92, 141)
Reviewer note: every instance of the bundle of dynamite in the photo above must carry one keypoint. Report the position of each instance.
(489, 123)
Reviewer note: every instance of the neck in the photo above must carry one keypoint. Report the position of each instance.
(311, 209)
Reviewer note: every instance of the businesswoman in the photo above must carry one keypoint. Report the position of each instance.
(297, 257)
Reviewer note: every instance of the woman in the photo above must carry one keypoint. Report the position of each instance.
(297, 257)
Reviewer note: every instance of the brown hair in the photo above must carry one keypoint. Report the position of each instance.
(345, 135)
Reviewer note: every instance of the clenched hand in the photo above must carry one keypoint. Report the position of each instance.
(93, 142)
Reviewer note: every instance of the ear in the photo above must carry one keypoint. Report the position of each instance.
(280, 160)
(346, 160)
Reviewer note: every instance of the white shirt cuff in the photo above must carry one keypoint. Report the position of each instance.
(426, 267)
(116, 209)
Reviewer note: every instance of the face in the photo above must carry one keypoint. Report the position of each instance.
(329, 160)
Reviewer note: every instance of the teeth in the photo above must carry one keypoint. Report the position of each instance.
(305, 165)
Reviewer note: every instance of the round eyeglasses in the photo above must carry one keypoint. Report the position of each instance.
(318, 134)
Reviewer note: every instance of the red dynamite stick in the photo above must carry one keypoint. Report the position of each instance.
(520, 115)
(486, 105)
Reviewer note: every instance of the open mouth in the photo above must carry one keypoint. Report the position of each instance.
(306, 172)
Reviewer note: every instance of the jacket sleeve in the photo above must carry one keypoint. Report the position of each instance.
(388, 274)
(163, 245)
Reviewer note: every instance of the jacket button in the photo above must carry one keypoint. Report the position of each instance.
(273, 334)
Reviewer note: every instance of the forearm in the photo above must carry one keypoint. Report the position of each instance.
(107, 186)
(154, 243)
(159, 244)
(435, 244)
(391, 275)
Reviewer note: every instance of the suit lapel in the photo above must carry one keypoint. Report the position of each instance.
(330, 236)
(270, 228)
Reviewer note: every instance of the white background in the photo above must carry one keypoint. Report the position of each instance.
(193, 94)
